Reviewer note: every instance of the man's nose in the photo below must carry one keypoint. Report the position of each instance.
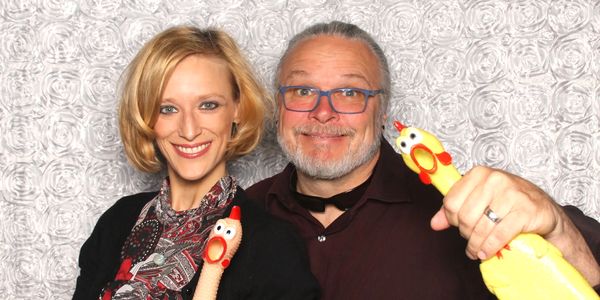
(189, 126)
(324, 111)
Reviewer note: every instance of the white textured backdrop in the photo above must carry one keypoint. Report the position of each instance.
(509, 84)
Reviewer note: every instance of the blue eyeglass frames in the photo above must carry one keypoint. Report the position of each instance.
(342, 100)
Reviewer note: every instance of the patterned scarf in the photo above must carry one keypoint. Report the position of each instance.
(163, 250)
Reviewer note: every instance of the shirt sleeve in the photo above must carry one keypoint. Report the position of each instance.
(589, 228)
(91, 274)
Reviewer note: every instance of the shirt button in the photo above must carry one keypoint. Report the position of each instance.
(321, 238)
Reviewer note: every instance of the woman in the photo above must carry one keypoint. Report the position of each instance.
(189, 102)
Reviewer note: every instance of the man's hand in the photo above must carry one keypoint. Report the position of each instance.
(521, 207)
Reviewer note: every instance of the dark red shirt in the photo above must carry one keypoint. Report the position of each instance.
(383, 247)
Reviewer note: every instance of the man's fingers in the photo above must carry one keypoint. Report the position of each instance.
(472, 210)
(439, 220)
(480, 233)
(461, 192)
(501, 234)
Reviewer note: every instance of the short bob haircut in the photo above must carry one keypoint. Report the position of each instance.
(145, 79)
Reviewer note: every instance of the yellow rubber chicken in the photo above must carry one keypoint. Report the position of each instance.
(529, 267)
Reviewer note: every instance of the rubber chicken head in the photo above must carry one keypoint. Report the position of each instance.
(417, 147)
(424, 154)
(224, 239)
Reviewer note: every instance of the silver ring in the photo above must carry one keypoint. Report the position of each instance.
(490, 214)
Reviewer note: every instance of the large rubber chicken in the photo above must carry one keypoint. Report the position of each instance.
(528, 267)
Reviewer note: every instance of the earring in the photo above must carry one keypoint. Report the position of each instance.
(233, 129)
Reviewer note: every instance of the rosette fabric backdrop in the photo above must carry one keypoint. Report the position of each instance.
(508, 84)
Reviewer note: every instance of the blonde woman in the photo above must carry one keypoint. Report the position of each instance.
(189, 103)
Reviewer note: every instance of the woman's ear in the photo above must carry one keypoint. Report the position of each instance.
(236, 118)
(236, 110)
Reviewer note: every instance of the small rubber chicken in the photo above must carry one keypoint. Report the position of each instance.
(529, 267)
(223, 242)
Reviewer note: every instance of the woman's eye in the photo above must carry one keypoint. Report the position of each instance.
(167, 109)
(210, 105)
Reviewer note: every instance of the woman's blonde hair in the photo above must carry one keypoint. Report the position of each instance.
(145, 79)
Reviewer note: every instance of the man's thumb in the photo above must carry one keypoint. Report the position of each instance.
(439, 220)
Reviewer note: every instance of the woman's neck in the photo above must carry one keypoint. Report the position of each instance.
(188, 194)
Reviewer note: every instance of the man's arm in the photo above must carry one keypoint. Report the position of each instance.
(522, 207)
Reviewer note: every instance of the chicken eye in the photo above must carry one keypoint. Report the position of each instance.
(219, 228)
(229, 233)
(415, 136)
(403, 144)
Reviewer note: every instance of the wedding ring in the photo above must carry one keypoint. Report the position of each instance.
(490, 214)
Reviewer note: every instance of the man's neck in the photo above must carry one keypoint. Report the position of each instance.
(327, 188)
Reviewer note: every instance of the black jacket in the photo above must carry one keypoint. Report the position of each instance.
(271, 262)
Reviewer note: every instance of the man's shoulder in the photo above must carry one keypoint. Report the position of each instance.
(258, 191)
(258, 221)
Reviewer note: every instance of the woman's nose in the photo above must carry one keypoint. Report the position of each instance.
(189, 126)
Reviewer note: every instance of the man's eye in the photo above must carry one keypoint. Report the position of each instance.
(209, 105)
(167, 109)
(349, 93)
(303, 92)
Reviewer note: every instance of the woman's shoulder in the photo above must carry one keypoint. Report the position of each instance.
(114, 224)
(135, 200)
(127, 208)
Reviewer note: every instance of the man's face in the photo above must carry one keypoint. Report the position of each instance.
(323, 143)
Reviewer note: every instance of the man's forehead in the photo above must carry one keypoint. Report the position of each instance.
(330, 46)
(301, 74)
(332, 57)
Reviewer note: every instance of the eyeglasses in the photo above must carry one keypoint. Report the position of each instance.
(342, 100)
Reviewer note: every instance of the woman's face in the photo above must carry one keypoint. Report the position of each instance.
(196, 113)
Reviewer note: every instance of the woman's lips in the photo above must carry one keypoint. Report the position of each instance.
(191, 151)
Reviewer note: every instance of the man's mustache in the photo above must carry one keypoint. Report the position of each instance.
(327, 130)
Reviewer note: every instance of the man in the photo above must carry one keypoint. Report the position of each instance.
(366, 219)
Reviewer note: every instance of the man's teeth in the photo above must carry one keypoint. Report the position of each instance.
(192, 150)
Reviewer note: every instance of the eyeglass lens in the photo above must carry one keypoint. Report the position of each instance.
(343, 100)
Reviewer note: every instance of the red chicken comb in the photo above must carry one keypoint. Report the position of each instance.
(236, 213)
(399, 126)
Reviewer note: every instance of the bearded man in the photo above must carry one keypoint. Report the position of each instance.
(372, 230)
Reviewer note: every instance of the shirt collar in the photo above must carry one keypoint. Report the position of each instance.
(389, 173)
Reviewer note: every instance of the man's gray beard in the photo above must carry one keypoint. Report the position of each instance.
(331, 169)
